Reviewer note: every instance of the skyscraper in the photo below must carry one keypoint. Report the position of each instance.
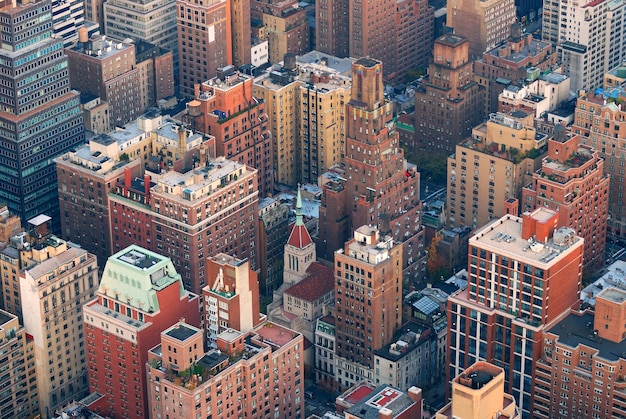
(40, 116)
(523, 273)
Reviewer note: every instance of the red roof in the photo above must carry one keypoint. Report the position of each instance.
(318, 282)
(299, 236)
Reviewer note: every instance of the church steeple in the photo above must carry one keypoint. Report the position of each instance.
(300, 249)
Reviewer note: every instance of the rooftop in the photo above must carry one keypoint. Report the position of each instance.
(615, 277)
(275, 335)
(534, 47)
(53, 264)
(138, 257)
(383, 397)
(504, 236)
(358, 393)
(320, 281)
(5, 317)
(451, 39)
(613, 294)
(408, 338)
(577, 329)
(181, 331)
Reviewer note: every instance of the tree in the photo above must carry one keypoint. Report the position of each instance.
(436, 262)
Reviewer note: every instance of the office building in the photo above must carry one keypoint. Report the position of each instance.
(491, 167)
(20, 380)
(285, 24)
(258, 374)
(580, 372)
(485, 23)
(225, 108)
(523, 273)
(150, 21)
(139, 296)
(599, 121)
(450, 103)
(589, 37)
(378, 186)
(204, 41)
(231, 300)
(479, 393)
(67, 17)
(190, 216)
(519, 58)
(368, 287)
(572, 182)
(37, 123)
(57, 281)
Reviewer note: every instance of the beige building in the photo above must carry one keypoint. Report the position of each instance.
(478, 393)
(59, 278)
(19, 399)
(484, 23)
(259, 374)
(615, 77)
(491, 167)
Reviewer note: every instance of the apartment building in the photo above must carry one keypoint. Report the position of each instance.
(537, 96)
(325, 353)
(258, 374)
(273, 235)
(139, 296)
(414, 43)
(514, 264)
(491, 167)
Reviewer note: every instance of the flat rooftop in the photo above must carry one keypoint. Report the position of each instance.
(613, 294)
(358, 393)
(383, 397)
(5, 317)
(181, 332)
(275, 335)
(577, 329)
(140, 259)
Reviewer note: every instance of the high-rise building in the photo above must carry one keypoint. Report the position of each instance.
(589, 37)
(273, 235)
(484, 23)
(259, 374)
(57, 280)
(522, 274)
(449, 102)
(479, 393)
(150, 21)
(190, 216)
(520, 58)
(491, 167)
(415, 36)
(572, 182)
(332, 33)
(286, 26)
(68, 16)
(204, 41)
(228, 110)
(241, 32)
(18, 361)
(368, 301)
(231, 300)
(581, 370)
(38, 123)
(600, 122)
(139, 296)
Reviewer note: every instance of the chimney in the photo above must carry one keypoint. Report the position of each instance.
(511, 206)
(146, 188)
(127, 179)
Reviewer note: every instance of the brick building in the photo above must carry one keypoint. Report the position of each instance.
(414, 44)
(139, 296)
(572, 182)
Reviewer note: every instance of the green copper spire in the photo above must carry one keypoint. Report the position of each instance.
(299, 221)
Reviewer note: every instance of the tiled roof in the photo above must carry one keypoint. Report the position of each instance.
(299, 236)
(320, 281)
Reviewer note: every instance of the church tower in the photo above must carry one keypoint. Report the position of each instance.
(299, 250)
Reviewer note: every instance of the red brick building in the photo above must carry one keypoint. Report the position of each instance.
(523, 273)
(225, 108)
(572, 182)
(415, 27)
(190, 216)
(140, 295)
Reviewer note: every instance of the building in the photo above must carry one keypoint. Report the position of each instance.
(266, 364)
(449, 101)
(599, 121)
(285, 24)
(332, 33)
(519, 58)
(108, 69)
(513, 266)
(241, 33)
(54, 284)
(615, 77)
(149, 21)
(414, 43)
(368, 278)
(571, 181)
(226, 109)
(38, 123)
(139, 296)
(67, 17)
(491, 167)
(538, 97)
(384, 401)
(485, 24)
(157, 72)
(10, 225)
(95, 113)
(232, 300)
(377, 186)
(479, 393)
(273, 235)
(202, 47)
(589, 37)
(325, 353)
(190, 216)
(582, 359)
(20, 379)
(299, 252)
